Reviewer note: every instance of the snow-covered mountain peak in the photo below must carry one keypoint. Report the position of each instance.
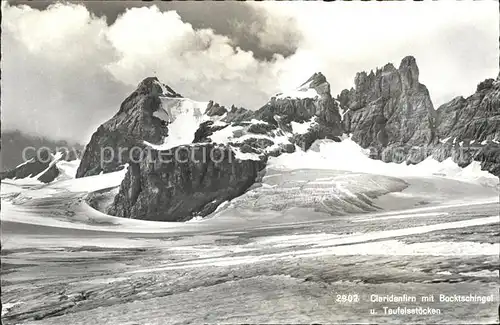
(316, 80)
(152, 85)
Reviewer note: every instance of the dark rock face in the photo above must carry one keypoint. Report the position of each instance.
(257, 146)
(261, 128)
(120, 139)
(389, 107)
(489, 156)
(205, 130)
(204, 177)
(486, 84)
(467, 126)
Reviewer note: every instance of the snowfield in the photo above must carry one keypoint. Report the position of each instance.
(301, 128)
(349, 156)
(184, 117)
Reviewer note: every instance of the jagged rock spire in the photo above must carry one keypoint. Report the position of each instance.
(393, 95)
(317, 82)
(409, 72)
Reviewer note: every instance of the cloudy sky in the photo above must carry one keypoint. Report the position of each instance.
(67, 67)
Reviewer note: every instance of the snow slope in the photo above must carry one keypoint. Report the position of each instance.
(349, 156)
(184, 117)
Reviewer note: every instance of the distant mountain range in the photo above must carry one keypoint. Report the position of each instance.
(13, 164)
(388, 111)
(13, 143)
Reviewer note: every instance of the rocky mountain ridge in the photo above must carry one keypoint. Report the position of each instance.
(387, 111)
(134, 123)
(391, 113)
(146, 121)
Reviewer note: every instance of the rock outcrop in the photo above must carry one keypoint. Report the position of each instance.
(120, 139)
(214, 109)
(205, 130)
(476, 118)
(489, 156)
(201, 177)
(468, 129)
(239, 114)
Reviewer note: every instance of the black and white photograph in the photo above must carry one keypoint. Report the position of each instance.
(241, 162)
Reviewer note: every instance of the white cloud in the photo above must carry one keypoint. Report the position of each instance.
(65, 71)
(197, 63)
(455, 43)
(53, 81)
